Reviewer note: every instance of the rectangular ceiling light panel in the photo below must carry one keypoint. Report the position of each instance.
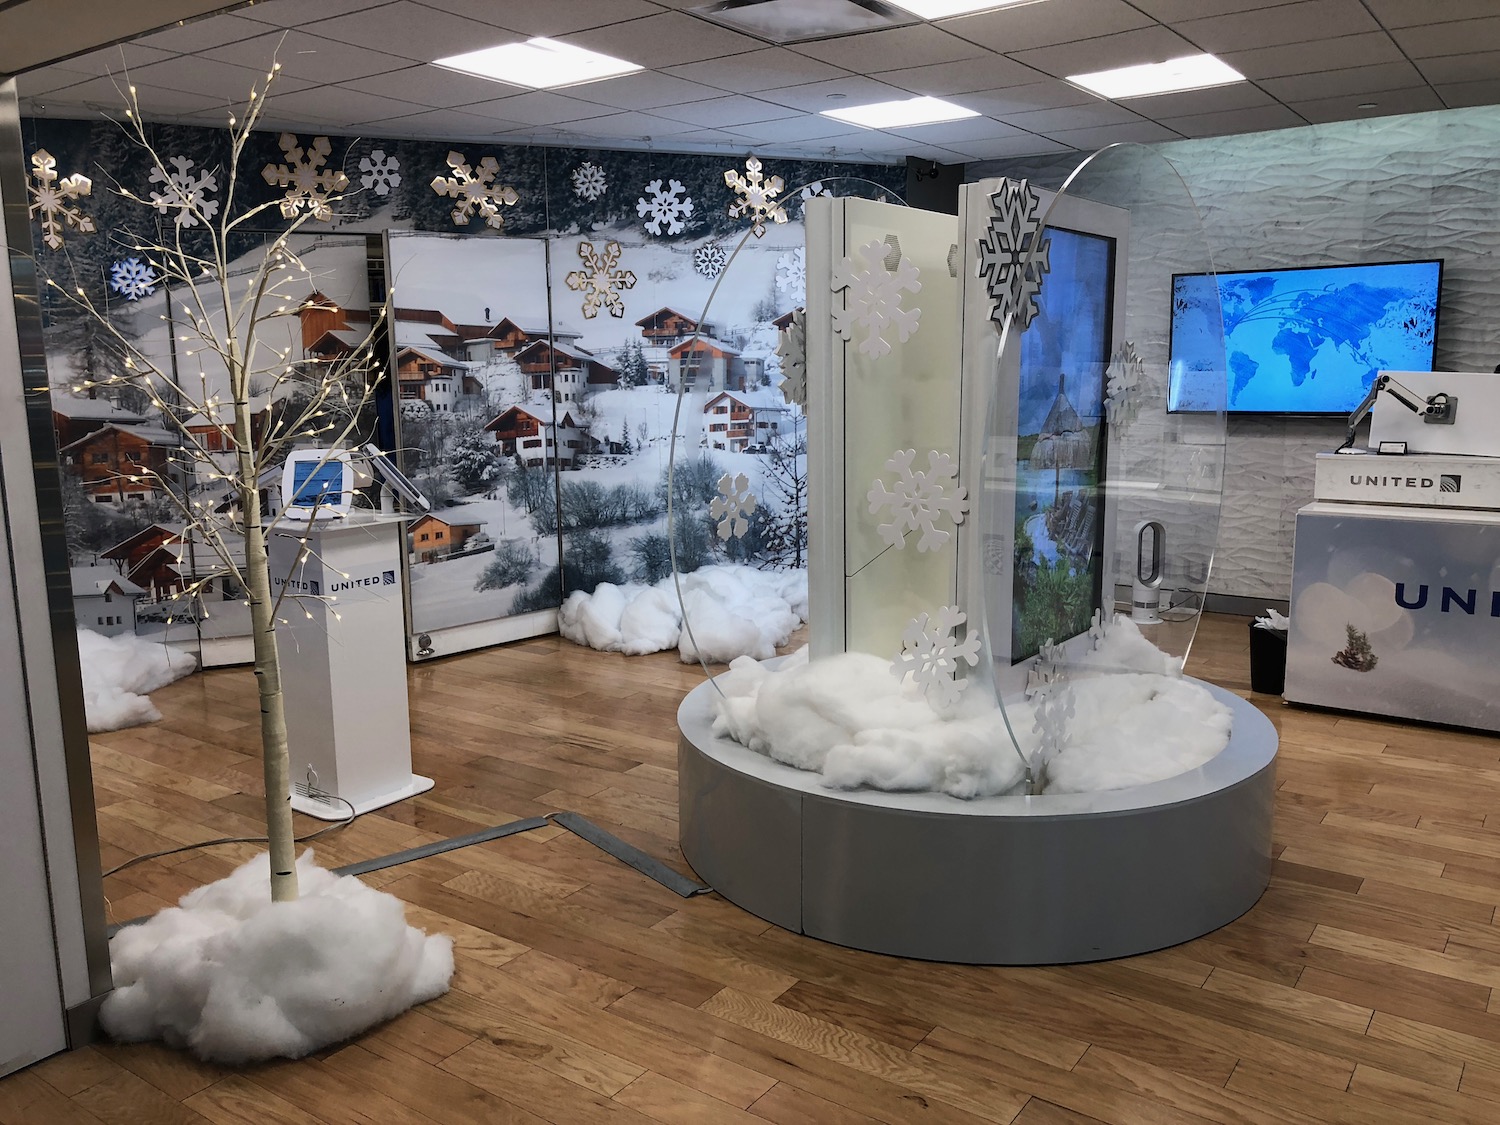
(538, 64)
(1191, 72)
(797, 21)
(902, 114)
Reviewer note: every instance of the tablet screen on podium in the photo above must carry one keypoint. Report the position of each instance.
(317, 483)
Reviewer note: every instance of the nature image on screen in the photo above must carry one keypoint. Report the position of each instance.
(1059, 449)
(1306, 341)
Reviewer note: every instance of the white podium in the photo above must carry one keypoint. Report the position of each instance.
(343, 663)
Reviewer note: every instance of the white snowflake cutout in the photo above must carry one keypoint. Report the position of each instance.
(308, 183)
(791, 349)
(732, 506)
(53, 199)
(601, 279)
(931, 655)
(755, 196)
(184, 191)
(919, 499)
(1123, 379)
(1053, 710)
(813, 191)
(1099, 627)
(710, 259)
(791, 273)
(664, 207)
(873, 300)
(133, 279)
(588, 181)
(476, 191)
(381, 172)
(1047, 669)
(1011, 260)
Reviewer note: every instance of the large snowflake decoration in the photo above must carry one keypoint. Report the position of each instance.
(755, 196)
(133, 279)
(931, 655)
(1013, 253)
(184, 191)
(381, 173)
(588, 181)
(710, 259)
(920, 498)
(732, 507)
(601, 279)
(664, 207)
(791, 273)
(476, 191)
(308, 183)
(53, 199)
(791, 349)
(873, 300)
(1123, 379)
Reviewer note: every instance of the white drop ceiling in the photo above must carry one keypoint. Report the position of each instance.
(360, 67)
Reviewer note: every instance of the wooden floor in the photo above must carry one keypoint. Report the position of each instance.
(1360, 989)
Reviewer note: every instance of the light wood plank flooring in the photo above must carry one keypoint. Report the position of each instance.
(1362, 988)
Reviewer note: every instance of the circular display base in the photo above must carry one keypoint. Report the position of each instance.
(995, 881)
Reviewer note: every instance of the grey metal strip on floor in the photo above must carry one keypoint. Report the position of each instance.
(649, 866)
(423, 851)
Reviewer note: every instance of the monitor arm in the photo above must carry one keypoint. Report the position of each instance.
(1438, 409)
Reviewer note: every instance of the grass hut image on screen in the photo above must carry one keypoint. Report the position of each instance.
(1060, 446)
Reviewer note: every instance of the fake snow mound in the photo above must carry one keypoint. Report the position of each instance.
(236, 978)
(118, 672)
(732, 611)
(848, 719)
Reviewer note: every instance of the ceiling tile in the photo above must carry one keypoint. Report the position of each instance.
(100, 95)
(1051, 121)
(446, 124)
(733, 109)
(809, 127)
(1042, 25)
(1310, 58)
(1191, 103)
(412, 31)
(307, 56)
(100, 64)
(1260, 119)
(202, 34)
(195, 75)
(1405, 13)
(1449, 69)
(1049, 94)
(552, 18)
(953, 132)
(1387, 102)
(753, 71)
(431, 86)
(665, 39)
(1354, 80)
(988, 72)
(1462, 37)
(1144, 132)
(1146, 45)
(645, 89)
(295, 13)
(1485, 92)
(917, 45)
(1171, 11)
(633, 124)
(1290, 23)
(815, 96)
(537, 107)
(1022, 145)
(354, 107)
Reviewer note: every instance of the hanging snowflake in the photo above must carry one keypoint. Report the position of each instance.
(813, 191)
(588, 181)
(381, 172)
(920, 498)
(53, 199)
(601, 279)
(791, 348)
(756, 196)
(308, 183)
(184, 191)
(710, 259)
(1124, 376)
(873, 301)
(133, 279)
(664, 207)
(732, 506)
(476, 191)
(931, 655)
(791, 273)
(1012, 261)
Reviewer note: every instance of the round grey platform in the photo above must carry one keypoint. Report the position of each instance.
(1000, 880)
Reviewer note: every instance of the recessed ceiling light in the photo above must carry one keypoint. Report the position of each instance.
(1367, 105)
(539, 64)
(1191, 72)
(797, 21)
(901, 114)
(941, 9)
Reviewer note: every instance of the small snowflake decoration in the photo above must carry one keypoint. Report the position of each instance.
(588, 181)
(732, 507)
(791, 349)
(53, 199)
(1099, 627)
(381, 172)
(931, 655)
(873, 300)
(308, 184)
(813, 191)
(919, 499)
(184, 191)
(756, 196)
(1123, 379)
(601, 279)
(1048, 668)
(133, 279)
(1011, 259)
(710, 259)
(1053, 712)
(791, 273)
(664, 207)
(476, 191)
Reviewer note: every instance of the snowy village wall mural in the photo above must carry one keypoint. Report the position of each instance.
(546, 306)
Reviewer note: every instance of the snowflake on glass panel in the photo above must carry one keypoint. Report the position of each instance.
(919, 499)
(476, 191)
(308, 183)
(184, 191)
(1013, 253)
(664, 207)
(755, 196)
(588, 181)
(731, 508)
(791, 349)
(931, 655)
(1123, 379)
(873, 300)
(601, 279)
(791, 273)
(53, 199)
(133, 279)
(813, 191)
(710, 259)
(381, 172)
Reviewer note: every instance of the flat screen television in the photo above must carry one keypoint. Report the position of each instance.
(1304, 341)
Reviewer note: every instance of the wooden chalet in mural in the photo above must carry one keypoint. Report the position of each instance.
(705, 363)
(431, 538)
(662, 331)
(744, 421)
(568, 369)
(484, 342)
(104, 600)
(74, 418)
(525, 434)
(121, 464)
(164, 559)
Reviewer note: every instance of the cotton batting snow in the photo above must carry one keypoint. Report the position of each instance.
(236, 978)
(732, 611)
(118, 672)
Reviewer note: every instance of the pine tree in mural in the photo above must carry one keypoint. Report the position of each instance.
(471, 460)
(784, 499)
(1356, 655)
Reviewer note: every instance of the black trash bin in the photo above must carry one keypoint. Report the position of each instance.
(1267, 660)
